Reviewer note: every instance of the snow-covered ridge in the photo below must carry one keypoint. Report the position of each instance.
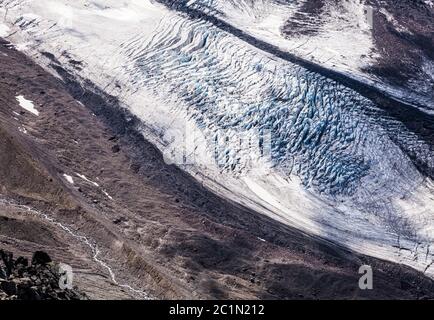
(338, 35)
(334, 171)
(344, 37)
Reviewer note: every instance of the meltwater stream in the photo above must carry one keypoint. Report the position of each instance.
(258, 129)
(83, 239)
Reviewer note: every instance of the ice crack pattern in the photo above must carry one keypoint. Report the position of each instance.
(318, 130)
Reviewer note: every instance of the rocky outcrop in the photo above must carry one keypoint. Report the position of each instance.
(38, 280)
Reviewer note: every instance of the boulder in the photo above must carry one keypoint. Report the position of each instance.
(41, 258)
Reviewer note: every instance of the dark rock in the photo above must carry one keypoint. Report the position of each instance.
(6, 261)
(113, 138)
(41, 258)
(33, 294)
(120, 220)
(3, 274)
(135, 167)
(9, 287)
(24, 262)
(116, 148)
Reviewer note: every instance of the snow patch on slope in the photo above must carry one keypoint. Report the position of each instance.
(27, 105)
(83, 177)
(68, 178)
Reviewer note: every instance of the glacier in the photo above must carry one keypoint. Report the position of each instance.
(335, 34)
(255, 128)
